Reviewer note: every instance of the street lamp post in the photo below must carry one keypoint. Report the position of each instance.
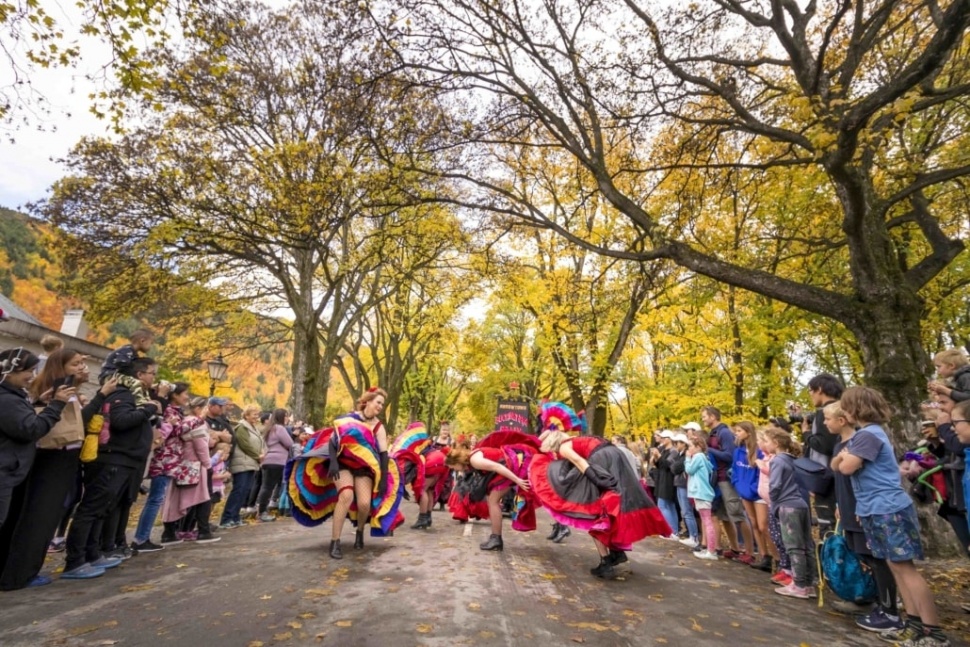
(217, 372)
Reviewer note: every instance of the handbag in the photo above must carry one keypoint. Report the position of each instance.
(69, 430)
(188, 473)
(814, 477)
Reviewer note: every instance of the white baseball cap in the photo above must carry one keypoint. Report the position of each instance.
(680, 438)
(692, 426)
(666, 433)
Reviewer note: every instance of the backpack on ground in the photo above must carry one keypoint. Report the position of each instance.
(843, 571)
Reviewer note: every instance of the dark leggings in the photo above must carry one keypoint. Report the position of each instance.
(272, 477)
(885, 583)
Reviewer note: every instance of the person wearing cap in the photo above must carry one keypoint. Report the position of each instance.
(677, 466)
(664, 489)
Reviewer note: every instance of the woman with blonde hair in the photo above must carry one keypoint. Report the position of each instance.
(587, 483)
(245, 455)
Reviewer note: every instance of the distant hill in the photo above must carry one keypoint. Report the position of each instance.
(31, 277)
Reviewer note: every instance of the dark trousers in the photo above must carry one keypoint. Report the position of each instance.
(825, 508)
(198, 517)
(272, 477)
(254, 489)
(958, 522)
(113, 534)
(105, 486)
(37, 507)
(242, 483)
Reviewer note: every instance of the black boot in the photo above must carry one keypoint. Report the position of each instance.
(555, 531)
(494, 543)
(763, 565)
(605, 569)
(335, 551)
(359, 539)
(424, 521)
(564, 532)
(617, 557)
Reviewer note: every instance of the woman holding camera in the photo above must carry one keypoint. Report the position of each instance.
(40, 502)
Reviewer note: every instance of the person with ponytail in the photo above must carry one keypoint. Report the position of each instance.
(789, 502)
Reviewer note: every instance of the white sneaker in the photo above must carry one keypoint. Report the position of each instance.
(706, 554)
(689, 542)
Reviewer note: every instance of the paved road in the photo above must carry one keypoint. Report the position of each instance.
(273, 584)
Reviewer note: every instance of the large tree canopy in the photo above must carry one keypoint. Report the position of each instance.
(655, 103)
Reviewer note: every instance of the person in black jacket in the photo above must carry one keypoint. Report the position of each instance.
(664, 488)
(121, 462)
(819, 444)
(20, 426)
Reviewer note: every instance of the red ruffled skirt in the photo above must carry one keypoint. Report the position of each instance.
(617, 518)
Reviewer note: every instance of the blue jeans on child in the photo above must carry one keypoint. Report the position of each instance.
(156, 497)
(668, 507)
(687, 512)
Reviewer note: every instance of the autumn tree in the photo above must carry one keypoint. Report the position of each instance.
(872, 96)
(255, 171)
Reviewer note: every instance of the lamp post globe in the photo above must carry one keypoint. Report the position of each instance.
(217, 372)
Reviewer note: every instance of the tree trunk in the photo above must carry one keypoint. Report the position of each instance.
(897, 366)
(308, 394)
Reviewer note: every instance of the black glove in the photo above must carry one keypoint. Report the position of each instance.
(333, 469)
(600, 477)
(382, 484)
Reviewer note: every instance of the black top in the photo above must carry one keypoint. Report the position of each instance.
(131, 431)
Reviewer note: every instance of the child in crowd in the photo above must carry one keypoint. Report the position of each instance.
(776, 547)
(886, 615)
(744, 478)
(220, 474)
(953, 367)
(699, 488)
(789, 501)
(887, 514)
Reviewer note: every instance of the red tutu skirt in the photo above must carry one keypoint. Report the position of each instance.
(617, 518)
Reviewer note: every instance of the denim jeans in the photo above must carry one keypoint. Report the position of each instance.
(668, 508)
(687, 512)
(242, 483)
(156, 497)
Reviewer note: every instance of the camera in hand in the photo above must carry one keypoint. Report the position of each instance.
(62, 381)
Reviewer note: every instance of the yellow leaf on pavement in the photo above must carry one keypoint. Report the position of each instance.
(344, 623)
(423, 629)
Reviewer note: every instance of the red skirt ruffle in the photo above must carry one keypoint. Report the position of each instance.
(603, 518)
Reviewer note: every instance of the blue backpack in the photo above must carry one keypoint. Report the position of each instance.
(844, 572)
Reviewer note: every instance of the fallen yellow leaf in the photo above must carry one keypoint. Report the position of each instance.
(137, 587)
(266, 597)
(293, 624)
(286, 635)
(256, 643)
(307, 615)
(344, 623)
(474, 606)
(595, 626)
(424, 629)
(318, 592)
